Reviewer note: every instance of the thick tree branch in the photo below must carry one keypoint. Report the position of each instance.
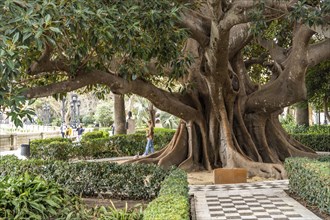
(239, 37)
(160, 98)
(45, 64)
(276, 52)
(318, 52)
(198, 26)
(289, 87)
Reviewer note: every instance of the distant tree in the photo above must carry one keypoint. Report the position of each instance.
(103, 114)
(88, 119)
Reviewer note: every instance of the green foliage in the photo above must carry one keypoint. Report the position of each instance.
(318, 84)
(310, 12)
(112, 213)
(28, 197)
(130, 32)
(48, 148)
(310, 179)
(59, 150)
(316, 129)
(172, 202)
(170, 185)
(315, 137)
(96, 144)
(133, 181)
(317, 142)
(88, 120)
(94, 135)
(103, 114)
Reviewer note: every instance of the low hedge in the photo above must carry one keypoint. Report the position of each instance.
(310, 179)
(39, 147)
(94, 135)
(95, 145)
(173, 199)
(133, 181)
(317, 142)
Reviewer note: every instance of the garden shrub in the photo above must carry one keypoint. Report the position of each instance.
(310, 179)
(134, 181)
(172, 201)
(96, 145)
(317, 142)
(94, 135)
(316, 137)
(58, 150)
(39, 146)
(28, 197)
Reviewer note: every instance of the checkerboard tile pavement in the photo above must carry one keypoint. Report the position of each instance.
(263, 200)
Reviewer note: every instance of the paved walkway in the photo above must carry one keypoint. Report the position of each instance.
(258, 200)
(17, 153)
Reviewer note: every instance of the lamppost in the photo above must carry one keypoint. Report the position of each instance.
(63, 110)
(46, 109)
(75, 108)
(78, 112)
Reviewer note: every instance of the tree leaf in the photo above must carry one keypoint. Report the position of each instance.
(55, 29)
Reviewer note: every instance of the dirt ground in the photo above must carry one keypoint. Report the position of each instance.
(206, 178)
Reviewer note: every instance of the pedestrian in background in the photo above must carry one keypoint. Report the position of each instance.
(80, 131)
(150, 139)
(63, 130)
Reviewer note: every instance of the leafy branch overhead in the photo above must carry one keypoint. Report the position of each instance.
(71, 36)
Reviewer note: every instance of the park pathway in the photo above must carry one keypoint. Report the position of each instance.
(258, 200)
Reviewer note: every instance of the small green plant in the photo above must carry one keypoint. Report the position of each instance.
(28, 197)
(112, 213)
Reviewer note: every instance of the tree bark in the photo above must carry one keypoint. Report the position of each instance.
(119, 112)
(302, 115)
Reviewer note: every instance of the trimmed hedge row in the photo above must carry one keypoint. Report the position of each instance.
(96, 145)
(310, 179)
(133, 181)
(317, 142)
(173, 199)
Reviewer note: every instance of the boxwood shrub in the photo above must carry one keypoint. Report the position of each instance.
(133, 181)
(94, 135)
(317, 142)
(39, 147)
(310, 179)
(96, 145)
(172, 201)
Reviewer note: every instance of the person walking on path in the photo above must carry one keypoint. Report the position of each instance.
(63, 130)
(80, 131)
(150, 138)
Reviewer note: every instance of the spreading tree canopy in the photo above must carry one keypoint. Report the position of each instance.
(213, 49)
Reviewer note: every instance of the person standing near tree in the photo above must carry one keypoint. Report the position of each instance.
(63, 130)
(150, 138)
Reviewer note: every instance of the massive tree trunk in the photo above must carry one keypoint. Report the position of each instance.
(227, 120)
